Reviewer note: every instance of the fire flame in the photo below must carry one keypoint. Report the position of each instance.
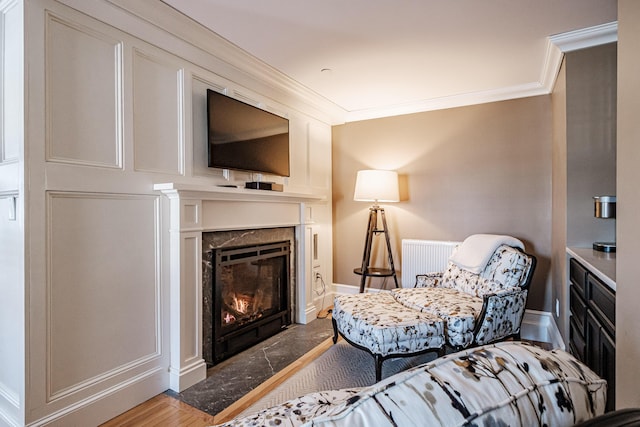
(229, 318)
(241, 305)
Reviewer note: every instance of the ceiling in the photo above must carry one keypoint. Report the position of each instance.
(374, 58)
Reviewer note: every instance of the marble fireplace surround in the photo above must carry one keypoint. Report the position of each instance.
(192, 210)
(232, 238)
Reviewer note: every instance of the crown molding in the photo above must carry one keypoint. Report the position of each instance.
(586, 37)
(292, 93)
(462, 100)
(557, 45)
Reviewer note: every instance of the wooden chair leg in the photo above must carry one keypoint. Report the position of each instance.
(379, 360)
(335, 330)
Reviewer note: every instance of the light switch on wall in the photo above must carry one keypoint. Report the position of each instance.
(12, 202)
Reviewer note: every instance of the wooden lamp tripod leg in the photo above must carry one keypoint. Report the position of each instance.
(366, 256)
(389, 255)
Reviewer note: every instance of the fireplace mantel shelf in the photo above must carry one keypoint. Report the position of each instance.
(213, 192)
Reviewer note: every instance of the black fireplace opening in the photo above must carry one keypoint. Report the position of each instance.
(251, 296)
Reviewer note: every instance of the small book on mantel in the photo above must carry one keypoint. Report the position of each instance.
(260, 185)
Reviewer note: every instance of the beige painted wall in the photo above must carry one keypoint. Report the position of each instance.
(477, 169)
(628, 229)
(560, 290)
(591, 141)
(584, 159)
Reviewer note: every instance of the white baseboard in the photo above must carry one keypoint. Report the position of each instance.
(540, 326)
(108, 403)
(181, 379)
(350, 289)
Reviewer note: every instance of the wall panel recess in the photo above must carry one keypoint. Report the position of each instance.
(199, 132)
(83, 95)
(103, 290)
(10, 91)
(158, 114)
(319, 156)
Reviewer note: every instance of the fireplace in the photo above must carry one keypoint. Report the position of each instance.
(199, 218)
(247, 289)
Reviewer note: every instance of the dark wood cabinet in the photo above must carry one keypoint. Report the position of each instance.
(592, 325)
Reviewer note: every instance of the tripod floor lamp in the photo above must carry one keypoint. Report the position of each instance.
(376, 186)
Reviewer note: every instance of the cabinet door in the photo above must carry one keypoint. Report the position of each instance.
(576, 340)
(601, 356)
(592, 339)
(578, 277)
(602, 300)
(608, 367)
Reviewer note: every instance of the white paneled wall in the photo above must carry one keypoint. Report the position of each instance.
(102, 315)
(12, 221)
(79, 57)
(158, 114)
(104, 290)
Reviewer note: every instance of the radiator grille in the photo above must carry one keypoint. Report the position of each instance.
(423, 256)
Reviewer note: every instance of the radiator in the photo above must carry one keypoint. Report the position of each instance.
(423, 256)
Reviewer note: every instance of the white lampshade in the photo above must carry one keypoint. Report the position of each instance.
(376, 186)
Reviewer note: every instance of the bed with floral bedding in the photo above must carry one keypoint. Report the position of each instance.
(504, 384)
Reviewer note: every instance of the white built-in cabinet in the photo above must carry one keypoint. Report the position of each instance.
(103, 113)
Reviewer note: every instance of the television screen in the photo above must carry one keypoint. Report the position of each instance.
(244, 137)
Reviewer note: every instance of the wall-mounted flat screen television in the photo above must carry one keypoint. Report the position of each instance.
(244, 137)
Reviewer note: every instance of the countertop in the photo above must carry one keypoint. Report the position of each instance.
(601, 264)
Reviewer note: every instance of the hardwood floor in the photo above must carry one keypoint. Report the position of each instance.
(164, 410)
(161, 411)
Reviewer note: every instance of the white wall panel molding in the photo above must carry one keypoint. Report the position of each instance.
(320, 157)
(299, 179)
(83, 66)
(187, 365)
(200, 82)
(9, 395)
(10, 81)
(158, 109)
(233, 215)
(101, 405)
(3, 71)
(13, 292)
(103, 279)
(246, 70)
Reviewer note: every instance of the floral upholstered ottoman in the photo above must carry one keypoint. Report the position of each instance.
(505, 384)
(379, 324)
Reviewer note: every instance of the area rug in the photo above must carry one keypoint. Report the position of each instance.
(341, 366)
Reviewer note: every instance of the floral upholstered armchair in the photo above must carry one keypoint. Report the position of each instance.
(480, 298)
(480, 303)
